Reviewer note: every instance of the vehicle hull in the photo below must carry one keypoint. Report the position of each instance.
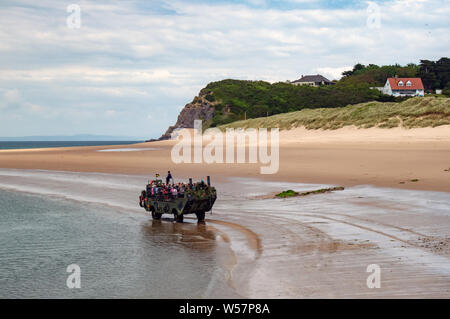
(178, 206)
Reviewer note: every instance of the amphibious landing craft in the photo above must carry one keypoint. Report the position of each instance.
(178, 199)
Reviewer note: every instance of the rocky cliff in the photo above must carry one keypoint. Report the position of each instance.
(199, 109)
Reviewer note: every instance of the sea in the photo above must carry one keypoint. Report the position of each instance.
(7, 145)
(51, 221)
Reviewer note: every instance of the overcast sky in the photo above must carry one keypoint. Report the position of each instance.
(132, 65)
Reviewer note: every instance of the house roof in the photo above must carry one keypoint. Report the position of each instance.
(416, 83)
(312, 78)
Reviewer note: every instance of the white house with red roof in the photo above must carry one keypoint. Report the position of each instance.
(404, 87)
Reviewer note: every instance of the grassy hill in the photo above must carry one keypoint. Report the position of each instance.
(224, 102)
(414, 112)
(236, 99)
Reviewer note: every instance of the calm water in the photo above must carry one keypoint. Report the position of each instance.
(49, 144)
(120, 254)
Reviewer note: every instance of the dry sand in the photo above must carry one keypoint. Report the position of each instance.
(348, 156)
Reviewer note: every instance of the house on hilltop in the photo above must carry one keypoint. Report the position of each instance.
(312, 80)
(404, 87)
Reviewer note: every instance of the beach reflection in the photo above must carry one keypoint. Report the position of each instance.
(202, 251)
(165, 232)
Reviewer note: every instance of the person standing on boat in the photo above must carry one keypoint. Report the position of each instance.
(168, 178)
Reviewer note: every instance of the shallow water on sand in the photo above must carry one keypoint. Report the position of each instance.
(312, 246)
(120, 254)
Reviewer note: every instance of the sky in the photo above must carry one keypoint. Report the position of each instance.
(127, 68)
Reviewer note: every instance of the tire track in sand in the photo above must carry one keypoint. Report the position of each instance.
(253, 239)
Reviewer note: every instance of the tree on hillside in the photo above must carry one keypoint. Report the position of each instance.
(435, 74)
(375, 75)
(356, 68)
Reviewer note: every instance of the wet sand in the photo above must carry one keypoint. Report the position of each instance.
(312, 246)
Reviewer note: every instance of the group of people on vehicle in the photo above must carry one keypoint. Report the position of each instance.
(170, 191)
(167, 191)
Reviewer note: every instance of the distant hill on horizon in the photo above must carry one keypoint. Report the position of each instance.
(78, 137)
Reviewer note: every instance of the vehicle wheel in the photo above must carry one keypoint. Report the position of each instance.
(179, 218)
(156, 215)
(141, 198)
(200, 216)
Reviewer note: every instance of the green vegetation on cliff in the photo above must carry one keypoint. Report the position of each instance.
(375, 75)
(434, 74)
(277, 105)
(235, 99)
(414, 112)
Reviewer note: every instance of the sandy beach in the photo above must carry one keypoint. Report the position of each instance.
(347, 157)
(314, 246)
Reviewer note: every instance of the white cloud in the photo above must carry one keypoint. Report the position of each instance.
(87, 74)
(117, 91)
(333, 73)
(11, 100)
(111, 113)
